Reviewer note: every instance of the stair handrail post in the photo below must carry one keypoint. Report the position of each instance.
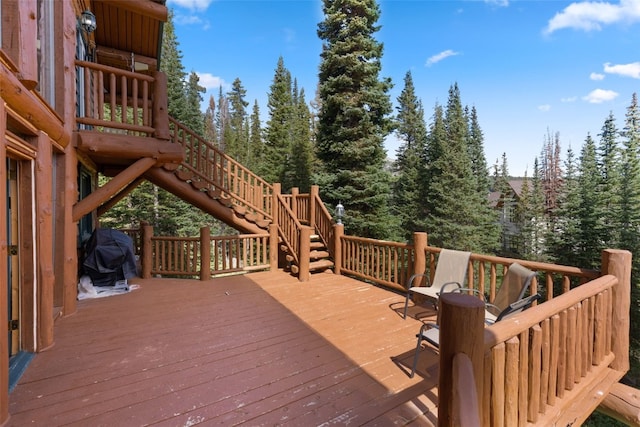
(160, 108)
(273, 247)
(618, 263)
(147, 250)
(420, 258)
(305, 254)
(205, 253)
(315, 193)
(295, 192)
(277, 188)
(338, 232)
(461, 331)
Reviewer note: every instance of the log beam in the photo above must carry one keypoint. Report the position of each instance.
(115, 199)
(29, 106)
(117, 183)
(128, 147)
(623, 404)
(143, 7)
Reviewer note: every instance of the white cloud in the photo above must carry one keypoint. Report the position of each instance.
(544, 107)
(599, 96)
(592, 15)
(209, 81)
(569, 99)
(501, 3)
(440, 56)
(200, 5)
(596, 76)
(627, 70)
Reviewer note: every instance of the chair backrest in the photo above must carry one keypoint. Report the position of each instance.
(452, 267)
(514, 285)
(518, 306)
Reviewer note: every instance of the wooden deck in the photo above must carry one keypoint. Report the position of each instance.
(258, 349)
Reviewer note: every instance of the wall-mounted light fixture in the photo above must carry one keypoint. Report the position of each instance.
(88, 21)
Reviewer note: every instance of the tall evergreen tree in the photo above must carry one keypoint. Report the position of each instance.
(172, 66)
(192, 116)
(538, 222)
(235, 136)
(354, 116)
(299, 168)
(411, 130)
(507, 202)
(458, 214)
(476, 153)
(608, 158)
(255, 139)
(278, 132)
(590, 215)
(210, 130)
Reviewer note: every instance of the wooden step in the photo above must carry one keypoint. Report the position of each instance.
(319, 254)
(317, 245)
(319, 265)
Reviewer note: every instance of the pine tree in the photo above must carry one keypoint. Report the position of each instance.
(172, 66)
(589, 213)
(537, 223)
(255, 139)
(551, 173)
(278, 132)
(354, 117)
(235, 136)
(210, 131)
(476, 153)
(608, 158)
(411, 130)
(192, 116)
(508, 211)
(299, 168)
(458, 214)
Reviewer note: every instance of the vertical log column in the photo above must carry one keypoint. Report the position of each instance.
(618, 263)
(295, 191)
(273, 246)
(338, 232)
(44, 227)
(205, 253)
(461, 331)
(160, 109)
(315, 192)
(4, 309)
(305, 254)
(420, 260)
(147, 250)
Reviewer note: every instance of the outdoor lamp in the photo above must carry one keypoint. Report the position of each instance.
(88, 21)
(339, 212)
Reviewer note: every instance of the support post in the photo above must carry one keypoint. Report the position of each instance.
(4, 303)
(295, 192)
(273, 247)
(420, 260)
(338, 232)
(205, 253)
(147, 250)
(305, 254)
(160, 107)
(461, 331)
(313, 196)
(274, 203)
(618, 263)
(44, 226)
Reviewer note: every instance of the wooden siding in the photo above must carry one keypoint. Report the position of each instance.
(261, 349)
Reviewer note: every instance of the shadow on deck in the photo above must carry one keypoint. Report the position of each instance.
(261, 349)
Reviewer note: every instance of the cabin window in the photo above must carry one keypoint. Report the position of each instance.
(46, 51)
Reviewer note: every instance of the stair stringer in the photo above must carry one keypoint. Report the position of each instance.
(224, 212)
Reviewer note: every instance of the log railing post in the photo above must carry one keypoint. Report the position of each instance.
(274, 203)
(618, 263)
(205, 253)
(160, 107)
(338, 232)
(313, 195)
(461, 331)
(147, 250)
(305, 254)
(420, 260)
(295, 192)
(273, 246)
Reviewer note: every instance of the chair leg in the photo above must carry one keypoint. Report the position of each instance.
(406, 304)
(415, 357)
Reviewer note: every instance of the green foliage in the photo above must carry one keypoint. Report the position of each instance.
(354, 117)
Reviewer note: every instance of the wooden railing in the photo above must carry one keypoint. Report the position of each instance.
(205, 255)
(218, 172)
(117, 100)
(379, 261)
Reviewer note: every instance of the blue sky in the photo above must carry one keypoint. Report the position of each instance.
(529, 67)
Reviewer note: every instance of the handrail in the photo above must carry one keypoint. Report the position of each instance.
(221, 172)
(324, 225)
(128, 96)
(289, 228)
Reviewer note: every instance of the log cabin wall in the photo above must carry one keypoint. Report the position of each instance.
(38, 174)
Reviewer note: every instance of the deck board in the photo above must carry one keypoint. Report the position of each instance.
(256, 349)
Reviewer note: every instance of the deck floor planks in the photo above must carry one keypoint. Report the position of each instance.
(260, 348)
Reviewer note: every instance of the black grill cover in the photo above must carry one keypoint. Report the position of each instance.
(109, 257)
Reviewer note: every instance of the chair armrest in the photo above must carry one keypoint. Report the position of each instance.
(410, 281)
(443, 289)
(472, 290)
